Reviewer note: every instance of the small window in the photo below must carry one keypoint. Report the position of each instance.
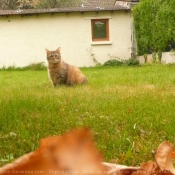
(100, 29)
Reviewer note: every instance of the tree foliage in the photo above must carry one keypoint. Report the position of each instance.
(26, 4)
(154, 25)
(59, 3)
(8, 4)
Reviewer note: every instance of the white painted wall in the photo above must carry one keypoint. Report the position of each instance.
(23, 39)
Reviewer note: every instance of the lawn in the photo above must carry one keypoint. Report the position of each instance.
(130, 110)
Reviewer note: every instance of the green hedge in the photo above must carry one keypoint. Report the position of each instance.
(154, 22)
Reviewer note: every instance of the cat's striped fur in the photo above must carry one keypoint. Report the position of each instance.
(61, 72)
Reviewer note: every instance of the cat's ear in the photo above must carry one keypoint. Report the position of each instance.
(47, 51)
(58, 50)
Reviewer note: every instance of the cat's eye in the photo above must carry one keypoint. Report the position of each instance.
(58, 56)
(49, 57)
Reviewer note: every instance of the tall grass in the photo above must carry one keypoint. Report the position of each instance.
(129, 109)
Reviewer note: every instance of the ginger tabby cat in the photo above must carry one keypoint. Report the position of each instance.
(61, 72)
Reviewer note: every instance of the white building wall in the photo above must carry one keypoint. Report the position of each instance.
(23, 39)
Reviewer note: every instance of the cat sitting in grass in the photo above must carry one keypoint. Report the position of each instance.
(61, 72)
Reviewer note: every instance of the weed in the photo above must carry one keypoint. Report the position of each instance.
(36, 66)
(32, 66)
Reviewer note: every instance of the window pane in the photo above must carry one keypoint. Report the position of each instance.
(99, 29)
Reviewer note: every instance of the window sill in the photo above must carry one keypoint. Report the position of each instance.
(93, 43)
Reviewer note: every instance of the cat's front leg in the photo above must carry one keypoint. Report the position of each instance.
(69, 82)
(54, 84)
(56, 81)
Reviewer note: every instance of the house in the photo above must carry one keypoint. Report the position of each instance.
(96, 31)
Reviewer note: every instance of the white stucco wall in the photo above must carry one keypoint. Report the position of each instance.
(23, 39)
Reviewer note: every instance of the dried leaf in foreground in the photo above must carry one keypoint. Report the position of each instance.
(164, 157)
(72, 153)
(163, 164)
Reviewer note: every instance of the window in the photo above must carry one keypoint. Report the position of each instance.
(100, 29)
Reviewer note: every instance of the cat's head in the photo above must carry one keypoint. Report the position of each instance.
(53, 56)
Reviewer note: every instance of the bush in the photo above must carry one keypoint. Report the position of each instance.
(132, 62)
(129, 62)
(36, 66)
(154, 26)
(113, 62)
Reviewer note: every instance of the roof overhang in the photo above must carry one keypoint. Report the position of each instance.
(24, 12)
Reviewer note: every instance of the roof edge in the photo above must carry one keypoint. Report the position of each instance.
(63, 10)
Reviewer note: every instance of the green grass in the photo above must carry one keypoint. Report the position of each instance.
(130, 110)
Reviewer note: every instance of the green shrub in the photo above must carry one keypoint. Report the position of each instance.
(132, 62)
(129, 62)
(36, 66)
(8, 68)
(113, 62)
(154, 26)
